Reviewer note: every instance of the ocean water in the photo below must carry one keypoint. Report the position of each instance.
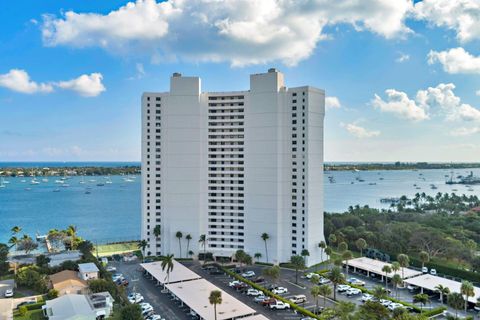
(112, 212)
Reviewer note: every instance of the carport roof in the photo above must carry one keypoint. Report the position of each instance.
(195, 294)
(429, 282)
(178, 274)
(256, 317)
(376, 266)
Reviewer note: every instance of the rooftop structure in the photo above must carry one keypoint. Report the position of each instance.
(178, 274)
(66, 282)
(375, 266)
(77, 306)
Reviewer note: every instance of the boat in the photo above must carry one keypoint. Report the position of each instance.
(65, 185)
(28, 189)
(82, 181)
(2, 185)
(56, 190)
(34, 181)
(372, 184)
(88, 192)
(92, 180)
(469, 179)
(390, 200)
(59, 181)
(44, 180)
(23, 180)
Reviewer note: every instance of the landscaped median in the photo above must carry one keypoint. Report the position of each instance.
(29, 312)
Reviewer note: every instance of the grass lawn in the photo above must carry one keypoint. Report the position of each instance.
(116, 248)
(31, 315)
(7, 277)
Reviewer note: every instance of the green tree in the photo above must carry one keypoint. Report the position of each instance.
(379, 292)
(421, 298)
(336, 277)
(13, 241)
(265, 237)
(240, 256)
(272, 272)
(332, 239)
(179, 236)
(257, 256)
(387, 269)
(322, 245)
(167, 265)
(467, 290)
(142, 245)
(203, 243)
(15, 230)
(361, 245)
(344, 310)
(347, 256)
(325, 290)
(455, 301)
(315, 292)
(298, 263)
(403, 260)
(4, 265)
(328, 252)
(27, 244)
(396, 280)
(157, 231)
(342, 246)
(131, 312)
(444, 291)
(188, 237)
(71, 232)
(424, 257)
(52, 294)
(101, 285)
(215, 299)
(372, 310)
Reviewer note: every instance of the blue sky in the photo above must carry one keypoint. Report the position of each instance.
(72, 72)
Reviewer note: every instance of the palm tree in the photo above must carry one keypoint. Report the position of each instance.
(387, 269)
(396, 280)
(403, 260)
(361, 244)
(265, 237)
(298, 263)
(395, 266)
(421, 298)
(15, 230)
(214, 299)
(315, 292)
(257, 256)
(455, 300)
(325, 290)
(14, 242)
(424, 257)
(188, 237)
(305, 253)
(167, 266)
(328, 252)
(72, 233)
(142, 245)
(336, 277)
(342, 246)
(179, 236)
(272, 272)
(322, 245)
(157, 231)
(444, 291)
(467, 290)
(379, 292)
(203, 242)
(332, 239)
(347, 255)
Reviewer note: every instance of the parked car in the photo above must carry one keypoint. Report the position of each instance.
(353, 292)
(356, 282)
(111, 269)
(248, 274)
(323, 280)
(433, 272)
(280, 290)
(122, 282)
(385, 302)
(8, 293)
(343, 287)
(259, 298)
(135, 298)
(215, 272)
(411, 287)
(147, 309)
(310, 275)
(154, 317)
(258, 280)
(394, 305)
(279, 305)
(366, 297)
(234, 283)
(241, 286)
(424, 269)
(116, 276)
(299, 298)
(268, 302)
(254, 292)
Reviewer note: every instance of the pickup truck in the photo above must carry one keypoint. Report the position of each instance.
(279, 305)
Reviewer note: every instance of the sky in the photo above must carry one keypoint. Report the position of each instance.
(402, 78)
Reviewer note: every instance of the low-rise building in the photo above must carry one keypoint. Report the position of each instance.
(66, 282)
(77, 306)
(88, 271)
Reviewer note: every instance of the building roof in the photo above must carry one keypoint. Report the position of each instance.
(376, 266)
(70, 307)
(256, 317)
(178, 274)
(195, 294)
(87, 267)
(66, 278)
(429, 282)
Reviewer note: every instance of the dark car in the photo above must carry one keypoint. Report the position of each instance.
(268, 302)
(259, 280)
(215, 272)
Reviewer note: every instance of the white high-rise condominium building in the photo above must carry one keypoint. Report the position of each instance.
(233, 166)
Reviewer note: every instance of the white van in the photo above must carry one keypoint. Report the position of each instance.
(299, 298)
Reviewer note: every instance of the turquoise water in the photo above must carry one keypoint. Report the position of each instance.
(112, 212)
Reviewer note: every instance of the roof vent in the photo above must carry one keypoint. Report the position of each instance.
(272, 70)
(176, 74)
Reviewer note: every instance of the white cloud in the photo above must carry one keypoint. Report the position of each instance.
(85, 85)
(462, 131)
(401, 105)
(332, 103)
(240, 32)
(440, 99)
(455, 60)
(477, 92)
(359, 132)
(19, 81)
(462, 16)
(402, 58)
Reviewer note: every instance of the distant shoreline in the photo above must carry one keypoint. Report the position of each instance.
(397, 166)
(66, 170)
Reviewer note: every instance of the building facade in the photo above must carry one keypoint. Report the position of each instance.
(233, 166)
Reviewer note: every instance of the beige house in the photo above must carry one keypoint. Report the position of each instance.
(67, 282)
(88, 271)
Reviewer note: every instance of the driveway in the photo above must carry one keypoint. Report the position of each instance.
(6, 309)
(6, 285)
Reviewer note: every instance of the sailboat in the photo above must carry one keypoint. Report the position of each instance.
(2, 185)
(34, 180)
(83, 180)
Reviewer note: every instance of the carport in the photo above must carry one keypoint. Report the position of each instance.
(195, 294)
(429, 282)
(376, 266)
(179, 273)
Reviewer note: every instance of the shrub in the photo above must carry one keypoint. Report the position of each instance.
(52, 294)
(22, 310)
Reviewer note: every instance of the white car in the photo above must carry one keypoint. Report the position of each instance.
(248, 274)
(155, 317)
(299, 298)
(425, 270)
(260, 298)
(433, 272)
(356, 282)
(280, 290)
(279, 305)
(310, 275)
(254, 292)
(366, 297)
(323, 280)
(394, 305)
(117, 276)
(353, 292)
(135, 298)
(385, 302)
(111, 269)
(8, 293)
(343, 287)
(234, 283)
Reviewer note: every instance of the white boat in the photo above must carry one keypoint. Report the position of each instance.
(34, 181)
(82, 181)
(59, 181)
(44, 180)
(2, 185)
(23, 180)
(65, 185)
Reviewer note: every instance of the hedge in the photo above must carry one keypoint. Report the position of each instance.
(434, 312)
(454, 272)
(34, 306)
(271, 294)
